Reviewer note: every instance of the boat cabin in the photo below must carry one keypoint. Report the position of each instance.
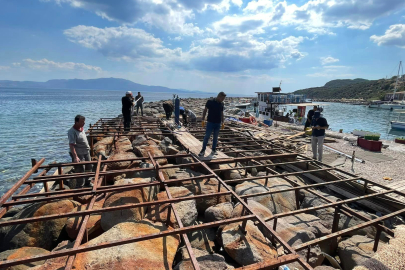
(272, 104)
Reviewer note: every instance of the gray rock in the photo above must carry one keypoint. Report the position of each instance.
(205, 260)
(110, 219)
(276, 203)
(355, 250)
(218, 212)
(204, 239)
(248, 248)
(43, 234)
(22, 253)
(139, 140)
(186, 210)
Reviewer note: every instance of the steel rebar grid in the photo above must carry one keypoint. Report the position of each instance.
(178, 220)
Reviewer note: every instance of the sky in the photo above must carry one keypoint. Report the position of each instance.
(235, 46)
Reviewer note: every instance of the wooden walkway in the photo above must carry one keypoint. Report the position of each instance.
(397, 185)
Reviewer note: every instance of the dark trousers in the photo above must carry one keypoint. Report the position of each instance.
(127, 120)
(211, 128)
(137, 109)
(80, 181)
(307, 124)
(168, 111)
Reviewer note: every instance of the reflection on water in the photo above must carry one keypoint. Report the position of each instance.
(34, 124)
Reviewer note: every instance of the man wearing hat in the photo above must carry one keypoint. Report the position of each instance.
(127, 104)
(319, 125)
(215, 121)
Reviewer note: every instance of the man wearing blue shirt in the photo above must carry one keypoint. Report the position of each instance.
(319, 125)
(215, 121)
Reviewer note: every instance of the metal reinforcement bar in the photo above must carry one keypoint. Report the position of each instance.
(14, 188)
(81, 249)
(351, 229)
(109, 209)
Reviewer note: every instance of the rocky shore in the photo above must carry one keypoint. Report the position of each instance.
(217, 247)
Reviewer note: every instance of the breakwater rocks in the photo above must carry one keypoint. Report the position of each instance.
(215, 247)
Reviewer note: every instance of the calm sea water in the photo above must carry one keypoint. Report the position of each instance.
(34, 123)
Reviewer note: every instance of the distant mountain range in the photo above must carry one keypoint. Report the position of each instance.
(94, 84)
(354, 89)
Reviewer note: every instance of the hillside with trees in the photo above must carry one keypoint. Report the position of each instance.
(354, 89)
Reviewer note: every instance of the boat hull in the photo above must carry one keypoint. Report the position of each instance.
(398, 125)
(392, 106)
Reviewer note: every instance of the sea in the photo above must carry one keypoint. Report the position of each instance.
(34, 123)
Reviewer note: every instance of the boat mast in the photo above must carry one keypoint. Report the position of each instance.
(396, 82)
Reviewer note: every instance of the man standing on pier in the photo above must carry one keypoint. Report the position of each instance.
(319, 125)
(79, 151)
(139, 103)
(215, 121)
(309, 117)
(127, 104)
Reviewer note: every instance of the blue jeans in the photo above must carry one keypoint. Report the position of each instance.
(211, 127)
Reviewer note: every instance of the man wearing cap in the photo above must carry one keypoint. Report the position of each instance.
(319, 125)
(215, 121)
(139, 103)
(127, 104)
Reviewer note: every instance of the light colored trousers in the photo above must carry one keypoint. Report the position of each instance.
(317, 146)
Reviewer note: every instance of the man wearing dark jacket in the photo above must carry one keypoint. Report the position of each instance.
(139, 103)
(127, 104)
(309, 117)
(319, 125)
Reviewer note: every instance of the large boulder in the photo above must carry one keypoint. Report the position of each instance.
(138, 195)
(204, 239)
(246, 248)
(205, 260)
(123, 144)
(197, 187)
(154, 150)
(219, 212)
(22, 253)
(276, 203)
(186, 210)
(103, 147)
(139, 140)
(230, 174)
(119, 165)
(57, 263)
(73, 224)
(355, 250)
(257, 208)
(156, 253)
(43, 234)
(326, 216)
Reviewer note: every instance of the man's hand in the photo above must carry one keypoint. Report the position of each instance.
(223, 126)
(77, 159)
(318, 127)
(203, 123)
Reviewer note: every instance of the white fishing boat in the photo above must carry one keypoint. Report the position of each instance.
(399, 123)
(376, 104)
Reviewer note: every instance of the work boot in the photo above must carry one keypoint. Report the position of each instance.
(201, 154)
(213, 153)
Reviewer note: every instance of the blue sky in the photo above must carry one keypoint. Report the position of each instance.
(236, 46)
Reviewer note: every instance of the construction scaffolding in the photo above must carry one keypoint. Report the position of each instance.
(244, 153)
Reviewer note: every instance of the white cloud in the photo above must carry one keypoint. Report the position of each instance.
(328, 60)
(178, 38)
(4, 67)
(315, 16)
(45, 64)
(120, 42)
(394, 36)
(172, 16)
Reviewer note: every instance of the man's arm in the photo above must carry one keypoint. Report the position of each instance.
(74, 154)
(204, 113)
(222, 117)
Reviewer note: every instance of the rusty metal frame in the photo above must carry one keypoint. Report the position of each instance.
(10, 199)
(236, 141)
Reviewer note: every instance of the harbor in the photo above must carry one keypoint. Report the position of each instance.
(260, 203)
